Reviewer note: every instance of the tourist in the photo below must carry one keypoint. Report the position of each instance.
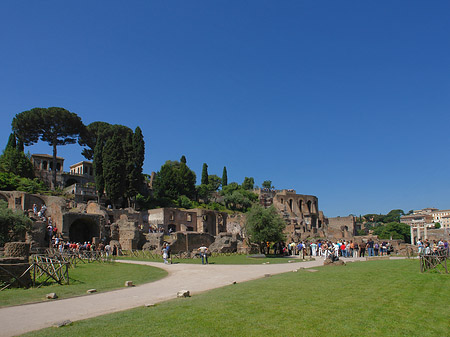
(343, 248)
(204, 254)
(362, 249)
(355, 249)
(376, 248)
(313, 247)
(370, 244)
(35, 210)
(165, 255)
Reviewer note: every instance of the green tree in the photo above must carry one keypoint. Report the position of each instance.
(114, 168)
(11, 142)
(264, 225)
(173, 180)
(204, 180)
(183, 159)
(136, 162)
(394, 230)
(214, 182)
(393, 216)
(224, 177)
(12, 182)
(248, 183)
(13, 224)
(267, 184)
(437, 225)
(56, 126)
(90, 136)
(14, 161)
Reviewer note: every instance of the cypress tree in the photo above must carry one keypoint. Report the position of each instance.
(114, 168)
(138, 153)
(204, 174)
(224, 177)
(11, 141)
(183, 159)
(98, 167)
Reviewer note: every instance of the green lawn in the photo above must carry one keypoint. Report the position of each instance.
(378, 298)
(222, 259)
(100, 276)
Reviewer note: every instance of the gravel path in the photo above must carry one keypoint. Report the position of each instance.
(193, 277)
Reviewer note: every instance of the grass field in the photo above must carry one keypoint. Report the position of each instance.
(384, 298)
(100, 276)
(222, 259)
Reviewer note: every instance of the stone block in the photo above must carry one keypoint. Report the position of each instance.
(129, 284)
(184, 293)
(90, 291)
(51, 296)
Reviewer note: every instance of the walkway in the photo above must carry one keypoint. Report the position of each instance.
(193, 277)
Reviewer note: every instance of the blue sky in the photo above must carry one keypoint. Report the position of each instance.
(345, 100)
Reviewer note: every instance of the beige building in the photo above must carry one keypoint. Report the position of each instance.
(419, 223)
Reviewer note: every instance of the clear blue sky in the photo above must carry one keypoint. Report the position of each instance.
(345, 100)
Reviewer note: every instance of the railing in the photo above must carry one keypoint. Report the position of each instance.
(435, 261)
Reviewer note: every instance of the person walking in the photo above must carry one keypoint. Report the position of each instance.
(204, 254)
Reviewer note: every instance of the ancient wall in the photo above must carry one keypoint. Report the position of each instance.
(187, 241)
(341, 227)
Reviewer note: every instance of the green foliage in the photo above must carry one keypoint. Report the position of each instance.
(204, 180)
(214, 182)
(397, 231)
(135, 154)
(237, 198)
(183, 159)
(13, 224)
(173, 180)
(12, 182)
(224, 176)
(248, 183)
(264, 224)
(11, 141)
(114, 168)
(184, 202)
(392, 216)
(267, 184)
(56, 126)
(15, 161)
(437, 225)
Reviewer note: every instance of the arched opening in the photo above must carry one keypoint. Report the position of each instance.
(309, 206)
(290, 205)
(70, 182)
(172, 228)
(83, 230)
(300, 205)
(44, 165)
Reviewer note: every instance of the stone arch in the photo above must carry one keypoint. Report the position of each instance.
(309, 206)
(300, 205)
(290, 205)
(70, 182)
(83, 229)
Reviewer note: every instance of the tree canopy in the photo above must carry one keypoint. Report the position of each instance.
(173, 180)
(54, 125)
(264, 225)
(13, 224)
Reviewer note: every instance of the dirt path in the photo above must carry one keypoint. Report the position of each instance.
(195, 278)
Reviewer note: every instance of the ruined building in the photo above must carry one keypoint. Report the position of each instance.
(301, 213)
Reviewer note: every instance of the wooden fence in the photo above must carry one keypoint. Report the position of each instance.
(436, 261)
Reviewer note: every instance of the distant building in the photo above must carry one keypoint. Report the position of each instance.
(81, 173)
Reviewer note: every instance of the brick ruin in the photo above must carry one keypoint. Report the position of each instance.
(185, 229)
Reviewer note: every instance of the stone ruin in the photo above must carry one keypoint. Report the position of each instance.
(14, 265)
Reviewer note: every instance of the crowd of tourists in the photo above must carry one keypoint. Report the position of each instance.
(339, 248)
(426, 247)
